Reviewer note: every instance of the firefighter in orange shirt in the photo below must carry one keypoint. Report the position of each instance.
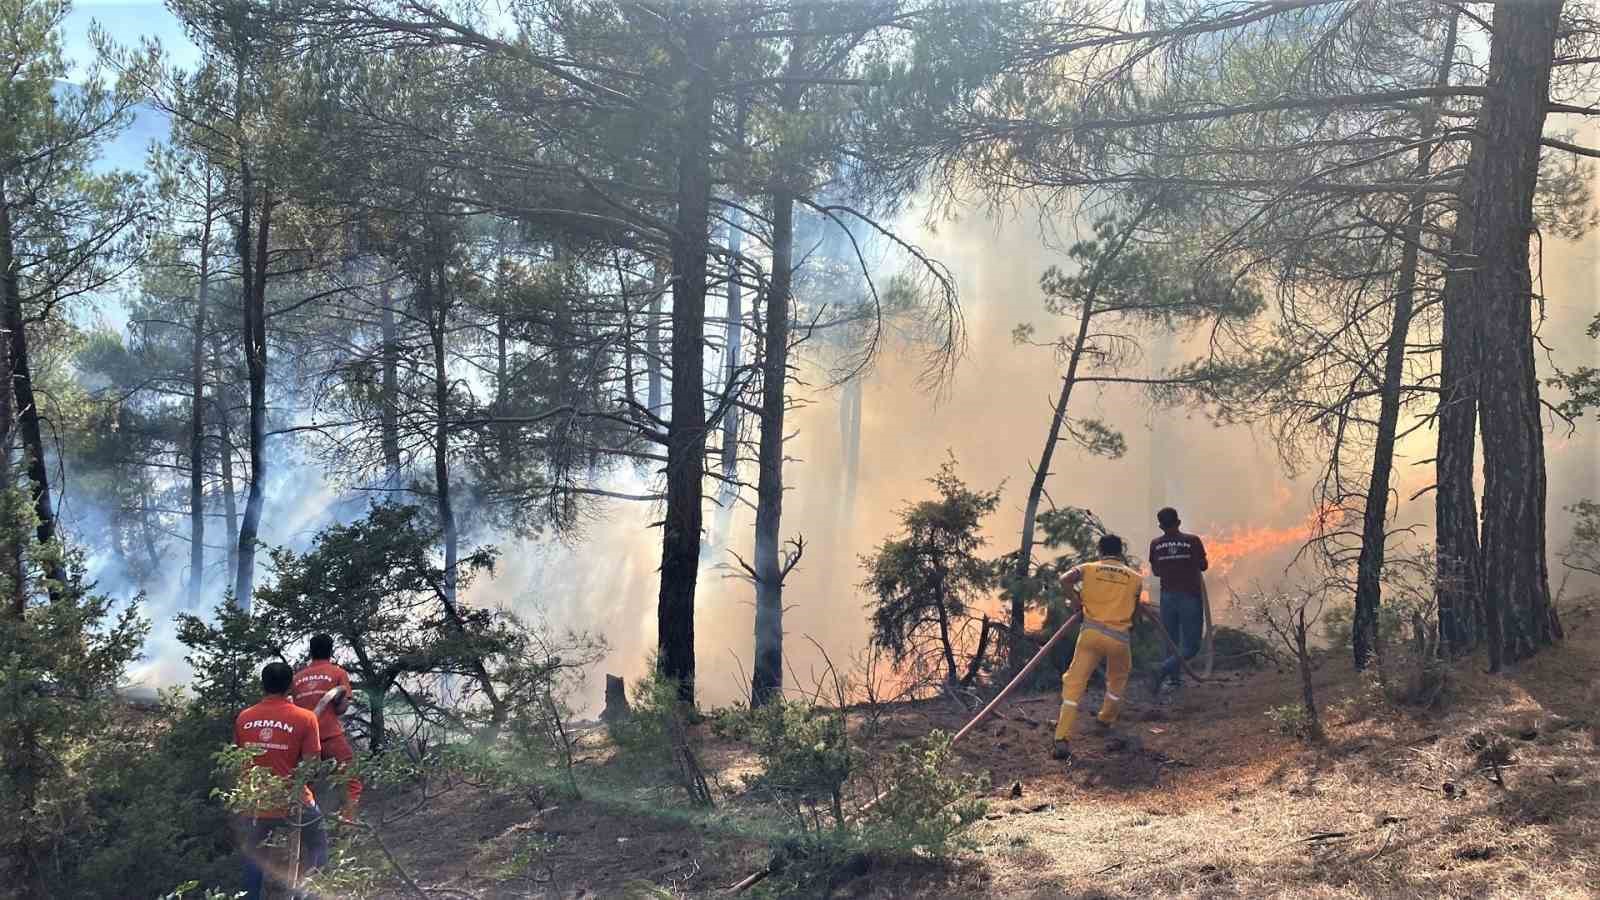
(324, 687)
(283, 736)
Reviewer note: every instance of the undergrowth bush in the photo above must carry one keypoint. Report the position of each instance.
(1239, 649)
(653, 741)
(1290, 720)
(844, 805)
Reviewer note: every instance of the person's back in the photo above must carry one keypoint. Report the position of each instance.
(1109, 592)
(1178, 559)
(282, 735)
(312, 683)
(310, 691)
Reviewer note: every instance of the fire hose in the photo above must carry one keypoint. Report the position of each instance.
(1016, 680)
(328, 696)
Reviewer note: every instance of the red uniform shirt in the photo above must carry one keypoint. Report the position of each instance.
(283, 734)
(311, 683)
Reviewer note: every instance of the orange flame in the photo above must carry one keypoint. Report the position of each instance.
(1232, 545)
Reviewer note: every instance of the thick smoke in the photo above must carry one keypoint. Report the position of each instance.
(1227, 481)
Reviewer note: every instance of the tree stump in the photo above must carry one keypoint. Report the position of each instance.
(616, 701)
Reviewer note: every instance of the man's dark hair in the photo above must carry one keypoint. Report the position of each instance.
(322, 646)
(1167, 517)
(276, 678)
(1110, 545)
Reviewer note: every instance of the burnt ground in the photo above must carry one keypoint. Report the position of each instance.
(1495, 794)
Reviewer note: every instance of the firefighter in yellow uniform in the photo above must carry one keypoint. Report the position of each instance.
(1108, 596)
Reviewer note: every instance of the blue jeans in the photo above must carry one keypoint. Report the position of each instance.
(1183, 615)
(313, 847)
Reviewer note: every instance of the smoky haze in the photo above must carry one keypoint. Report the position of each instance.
(1228, 482)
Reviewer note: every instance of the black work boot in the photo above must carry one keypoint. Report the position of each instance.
(1157, 679)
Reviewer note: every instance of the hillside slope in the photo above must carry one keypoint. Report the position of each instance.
(1495, 795)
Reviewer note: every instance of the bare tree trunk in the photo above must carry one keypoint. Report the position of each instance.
(389, 414)
(1511, 122)
(850, 397)
(438, 323)
(253, 268)
(197, 421)
(686, 432)
(733, 351)
(946, 644)
(1020, 587)
(1020, 593)
(1463, 614)
(230, 505)
(435, 289)
(652, 340)
(10, 550)
(1462, 610)
(147, 531)
(504, 434)
(1308, 696)
(766, 681)
(1375, 518)
(27, 407)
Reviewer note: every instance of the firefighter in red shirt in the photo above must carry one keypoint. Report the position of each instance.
(314, 689)
(284, 735)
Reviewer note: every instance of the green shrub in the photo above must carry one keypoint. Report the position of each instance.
(653, 741)
(1291, 720)
(845, 807)
(152, 802)
(806, 758)
(927, 805)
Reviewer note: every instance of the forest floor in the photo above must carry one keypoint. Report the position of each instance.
(1495, 793)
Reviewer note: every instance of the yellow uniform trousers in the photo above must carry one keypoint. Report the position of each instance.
(1095, 643)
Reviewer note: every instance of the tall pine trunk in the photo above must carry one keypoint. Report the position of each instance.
(389, 412)
(732, 352)
(253, 269)
(223, 400)
(686, 431)
(1511, 123)
(435, 294)
(1375, 518)
(652, 341)
(504, 435)
(1020, 587)
(1462, 619)
(766, 682)
(10, 546)
(438, 325)
(26, 409)
(197, 422)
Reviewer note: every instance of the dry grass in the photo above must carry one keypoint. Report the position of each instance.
(1495, 795)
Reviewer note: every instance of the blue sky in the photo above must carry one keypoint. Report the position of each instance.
(127, 21)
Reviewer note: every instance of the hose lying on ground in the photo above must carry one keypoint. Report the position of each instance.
(755, 878)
